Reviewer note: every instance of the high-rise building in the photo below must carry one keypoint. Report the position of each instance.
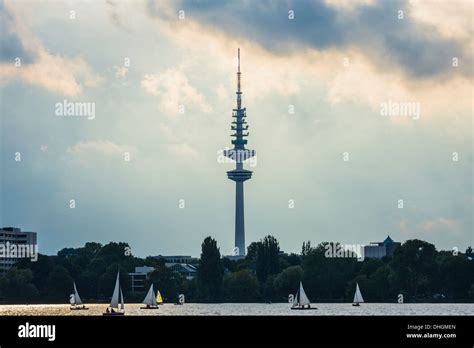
(377, 250)
(12, 237)
(239, 154)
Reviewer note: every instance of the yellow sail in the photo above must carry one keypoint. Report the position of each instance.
(159, 299)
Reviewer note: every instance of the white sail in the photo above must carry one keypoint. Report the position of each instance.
(72, 299)
(358, 296)
(150, 297)
(122, 306)
(115, 296)
(300, 298)
(295, 300)
(78, 300)
(303, 299)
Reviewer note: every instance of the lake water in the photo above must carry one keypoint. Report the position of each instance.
(253, 309)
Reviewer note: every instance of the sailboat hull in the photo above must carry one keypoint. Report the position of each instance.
(150, 307)
(79, 309)
(302, 308)
(356, 305)
(113, 314)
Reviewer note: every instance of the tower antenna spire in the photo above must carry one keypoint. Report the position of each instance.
(238, 56)
(239, 92)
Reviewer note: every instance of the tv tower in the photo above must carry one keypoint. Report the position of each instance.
(239, 154)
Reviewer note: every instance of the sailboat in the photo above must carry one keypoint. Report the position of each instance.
(301, 301)
(150, 300)
(357, 297)
(114, 309)
(159, 299)
(75, 300)
(180, 301)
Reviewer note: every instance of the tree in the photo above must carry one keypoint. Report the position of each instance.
(91, 248)
(17, 284)
(40, 270)
(326, 278)
(252, 251)
(210, 272)
(97, 265)
(166, 281)
(106, 284)
(229, 265)
(453, 272)
(188, 287)
(370, 266)
(292, 259)
(471, 293)
(267, 262)
(66, 252)
(115, 251)
(241, 286)
(374, 284)
(414, 266)
(268, 290)
(73, 267)
(287, 282)
(87, 284)
(59, 284)
(108, 279)
(306, 248)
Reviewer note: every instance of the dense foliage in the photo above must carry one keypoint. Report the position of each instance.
(416, 270)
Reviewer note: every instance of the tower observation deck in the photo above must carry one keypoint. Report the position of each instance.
(239, 154)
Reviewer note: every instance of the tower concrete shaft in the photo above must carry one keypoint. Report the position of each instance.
(239, 219)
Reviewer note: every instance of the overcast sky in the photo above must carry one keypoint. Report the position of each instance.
(331, 165)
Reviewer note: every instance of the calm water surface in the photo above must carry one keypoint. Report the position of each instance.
(252, 309)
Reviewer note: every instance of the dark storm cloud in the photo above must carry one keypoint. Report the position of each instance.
(375, 28)
(10, 44)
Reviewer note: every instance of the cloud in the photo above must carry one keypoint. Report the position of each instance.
(372, 76)
(374, 87)
(432, 229)
(349, 4)
(57, 74)
(10, 44)
(173, 89)
(410, 45)
(118, 12)
(99, 147)
(62, 75)
(120, 72)
(446, 225)
(452, 20)
(263, 73)
(183, 150)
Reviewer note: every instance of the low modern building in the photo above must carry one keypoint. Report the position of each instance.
(177, 258)
(377, 250)
(182, 264)
(139, 277)
(186, 270)
(13, 236)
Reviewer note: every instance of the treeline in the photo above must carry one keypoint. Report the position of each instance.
(93, 268)
(416, 270)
